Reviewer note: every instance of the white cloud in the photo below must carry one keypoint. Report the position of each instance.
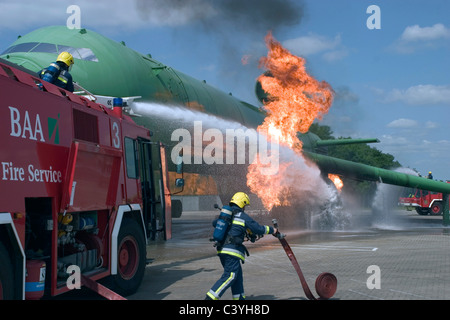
(415, 37)
(331, 48)
(311, 44)
(403, 123)
(417, 33)
(416, 144)
(421, 95)
(431, 125)
(418, 152)
(388, 141)
(436, 149)
(335, 55)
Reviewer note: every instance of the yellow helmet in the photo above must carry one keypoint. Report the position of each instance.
(65, 57)
(240, 199)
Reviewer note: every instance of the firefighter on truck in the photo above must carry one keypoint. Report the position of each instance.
(76, 189)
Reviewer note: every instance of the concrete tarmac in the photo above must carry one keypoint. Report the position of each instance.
(405, 258)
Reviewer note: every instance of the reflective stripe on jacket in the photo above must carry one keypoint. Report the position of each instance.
(58, 76)
(242, 222)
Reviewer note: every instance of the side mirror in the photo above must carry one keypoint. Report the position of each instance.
(179, 182)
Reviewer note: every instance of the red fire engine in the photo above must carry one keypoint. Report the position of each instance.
(425, 202)
(80, 185)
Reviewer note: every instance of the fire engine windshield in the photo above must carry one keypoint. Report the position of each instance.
(77, 53)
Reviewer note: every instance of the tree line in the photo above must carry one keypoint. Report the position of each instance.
(360, 153)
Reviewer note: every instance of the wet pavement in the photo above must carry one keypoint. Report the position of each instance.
(405, 258)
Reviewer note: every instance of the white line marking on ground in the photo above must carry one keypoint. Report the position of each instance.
(366, 295)
(338, 248)
(408, 293)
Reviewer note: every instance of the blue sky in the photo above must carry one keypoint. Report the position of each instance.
(391, 83)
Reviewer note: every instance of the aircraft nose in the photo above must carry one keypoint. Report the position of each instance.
(26, 62)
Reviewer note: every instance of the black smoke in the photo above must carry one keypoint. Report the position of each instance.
(238, 27)
(256, 16)
(246, 16)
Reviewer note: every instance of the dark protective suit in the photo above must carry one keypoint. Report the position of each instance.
(58, 74)
(233, 253)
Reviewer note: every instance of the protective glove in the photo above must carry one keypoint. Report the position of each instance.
(278, 234)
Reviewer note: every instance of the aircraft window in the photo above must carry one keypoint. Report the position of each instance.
(71, 50)
(87, 54)
(78, 53)
(45, 47)
(22, 47)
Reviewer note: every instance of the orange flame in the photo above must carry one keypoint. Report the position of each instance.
(271, 189)
(336, 180)
(296, 99)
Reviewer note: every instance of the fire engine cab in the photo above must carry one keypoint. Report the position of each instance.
(424, 202)
(82, 187)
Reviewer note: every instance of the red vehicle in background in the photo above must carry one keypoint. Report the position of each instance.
(81, 185)
(424, 202)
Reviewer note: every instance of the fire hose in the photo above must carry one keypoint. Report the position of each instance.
(326, 283)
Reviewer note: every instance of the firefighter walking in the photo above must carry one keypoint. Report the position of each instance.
(232, 252)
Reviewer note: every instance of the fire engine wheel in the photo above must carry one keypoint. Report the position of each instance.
(6, 275)
(422, 211)
(436, 208)
(128, 257)
(131, 256)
